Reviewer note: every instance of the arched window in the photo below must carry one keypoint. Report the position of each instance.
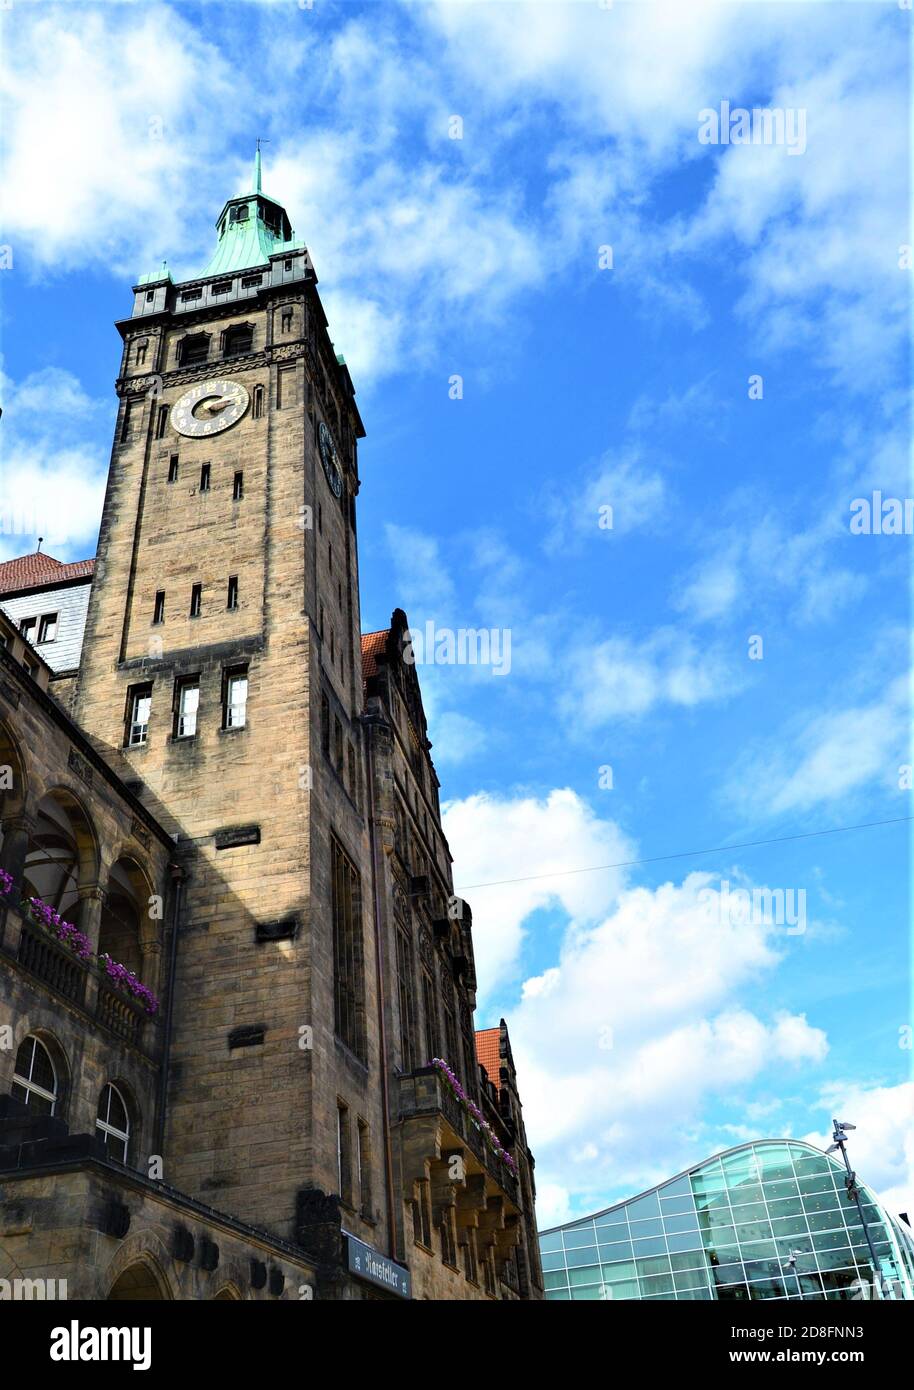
(192, 349)
(34, 1077)
(119, 936)
(113, 1123)
(52, 863)
(238, 339)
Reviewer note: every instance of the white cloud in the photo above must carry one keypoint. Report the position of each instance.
(424, 586)
(881, 1149)
(55, 493)
(458, 738)
(109, 120)
(622, 495)
(830, 755)
(640, 1025)
(529, 836)
(53, 476)
(619, 678)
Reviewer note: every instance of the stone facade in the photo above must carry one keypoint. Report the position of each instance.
(308, 953)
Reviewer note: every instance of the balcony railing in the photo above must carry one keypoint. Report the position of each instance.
(51, 962)
(425, 1092)
(122, 1015)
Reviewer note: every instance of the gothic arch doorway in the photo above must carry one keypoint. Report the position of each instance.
(137, 1284)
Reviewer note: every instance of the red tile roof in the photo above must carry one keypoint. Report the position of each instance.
(32, 571)
(372, 643)
(488, 1053)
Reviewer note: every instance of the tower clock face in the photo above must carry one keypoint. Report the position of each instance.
(209, 408)
(330, 461)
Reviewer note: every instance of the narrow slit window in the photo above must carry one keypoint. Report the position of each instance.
(238, 487)
(158, 611)
(196, 600)
(161, 421)
(173, 469)
(232, 601)
(258, 402)
(343, 1154)
(204, 477)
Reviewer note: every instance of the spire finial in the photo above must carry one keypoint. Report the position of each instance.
(257, 167)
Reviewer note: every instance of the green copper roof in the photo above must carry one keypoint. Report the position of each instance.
(155, 276)
(252, 228)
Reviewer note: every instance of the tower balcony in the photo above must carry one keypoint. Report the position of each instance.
(442, 1149)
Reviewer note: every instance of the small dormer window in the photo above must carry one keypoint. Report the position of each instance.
(222, 287)
(251, 282)
(150, 296)
(239, 214)
(191, 296)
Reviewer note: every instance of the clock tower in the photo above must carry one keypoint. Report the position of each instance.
(318, 1076)
(222, 675)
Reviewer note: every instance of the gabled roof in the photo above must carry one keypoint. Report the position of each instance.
(372, 644)
(39, 570)
(488, 1052)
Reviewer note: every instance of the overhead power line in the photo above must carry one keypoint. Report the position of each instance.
(686, 853)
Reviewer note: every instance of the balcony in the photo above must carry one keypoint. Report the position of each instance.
(434, 1130)
(120, 1014)
(52, 963)
(36, 951)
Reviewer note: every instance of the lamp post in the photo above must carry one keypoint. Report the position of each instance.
(792, 1264)
(850, 1182)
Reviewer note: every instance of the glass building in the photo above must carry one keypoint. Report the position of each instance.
(770, 1219)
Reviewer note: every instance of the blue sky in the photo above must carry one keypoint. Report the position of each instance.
(649, 1030)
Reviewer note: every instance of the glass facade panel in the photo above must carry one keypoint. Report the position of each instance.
(575, 1258)
(688, 1240)
(694, 1259)
(582, 1235)
(763, 1221)
(623, 1288)
(679, 1188)
(676, 1224)
(643, 1207)
(657, 1283)
(641, 1229)
(677, 1206)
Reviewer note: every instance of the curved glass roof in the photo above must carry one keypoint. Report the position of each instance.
(770, 1219)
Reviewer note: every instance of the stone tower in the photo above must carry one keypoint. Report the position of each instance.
(222, 671)
(321, 1079)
